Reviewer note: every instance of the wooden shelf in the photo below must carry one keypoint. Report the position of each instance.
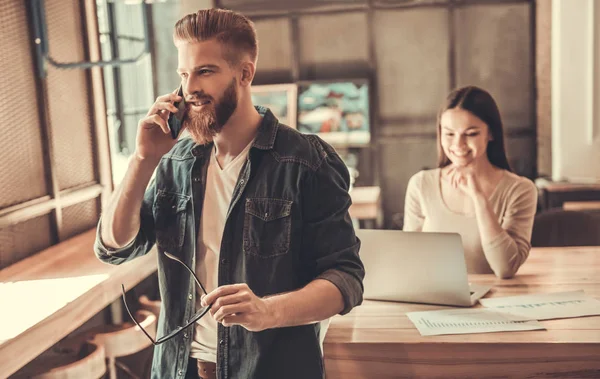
(50, 294)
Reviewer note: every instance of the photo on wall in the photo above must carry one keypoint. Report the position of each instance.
(336, 111)
(281, 99)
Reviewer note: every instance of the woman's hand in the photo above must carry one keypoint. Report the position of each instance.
(464, 179)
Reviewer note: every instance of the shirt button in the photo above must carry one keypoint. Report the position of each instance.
(185, 335)
(222, 342)
(242, 181)
(266, 215)
(180, 372)
(190, 296)
(196, 179)
(224, 261)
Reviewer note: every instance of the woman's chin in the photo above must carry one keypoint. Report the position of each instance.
(461, 162)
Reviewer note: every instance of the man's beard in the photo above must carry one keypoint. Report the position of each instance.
(203, 125)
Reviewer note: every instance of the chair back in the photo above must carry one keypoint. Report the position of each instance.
(558, 228)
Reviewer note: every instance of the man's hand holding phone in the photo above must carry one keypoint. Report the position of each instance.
(154, 138)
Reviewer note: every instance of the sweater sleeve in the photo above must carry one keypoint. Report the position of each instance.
(509, 250)
(413, 212)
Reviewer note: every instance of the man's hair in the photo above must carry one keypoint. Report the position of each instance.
(233, 30)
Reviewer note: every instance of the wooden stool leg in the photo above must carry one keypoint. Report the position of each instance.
(123, 367)
(112, 368)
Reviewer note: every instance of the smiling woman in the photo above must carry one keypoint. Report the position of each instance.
(473, 191)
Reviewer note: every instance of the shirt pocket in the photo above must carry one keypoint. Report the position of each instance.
(267, 227)
(170, 220)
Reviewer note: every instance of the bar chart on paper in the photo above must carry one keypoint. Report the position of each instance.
(464, 321)
(546, 306)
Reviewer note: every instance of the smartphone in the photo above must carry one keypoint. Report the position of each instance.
(175, 120)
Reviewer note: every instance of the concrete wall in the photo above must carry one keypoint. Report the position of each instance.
(414, 56)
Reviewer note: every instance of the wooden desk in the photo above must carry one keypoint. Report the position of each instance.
(48, 295)
(366, 204)
(377, 340)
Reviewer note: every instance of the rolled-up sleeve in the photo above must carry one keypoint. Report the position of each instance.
(143, 241)
(329, 241)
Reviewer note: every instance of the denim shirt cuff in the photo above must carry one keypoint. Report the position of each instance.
(348, 285)
(103, 251)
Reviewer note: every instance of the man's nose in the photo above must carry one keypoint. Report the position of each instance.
(191, 86)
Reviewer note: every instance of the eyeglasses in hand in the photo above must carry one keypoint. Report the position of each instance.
(197, 316)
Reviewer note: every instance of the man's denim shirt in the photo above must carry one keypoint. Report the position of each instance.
(287, 225)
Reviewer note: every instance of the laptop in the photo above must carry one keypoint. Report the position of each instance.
(416, 267)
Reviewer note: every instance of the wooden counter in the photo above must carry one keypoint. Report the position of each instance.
(581, 205)
(377, 340)
(48, 295)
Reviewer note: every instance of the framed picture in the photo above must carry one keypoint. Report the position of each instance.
(337, 111)
(281, 99)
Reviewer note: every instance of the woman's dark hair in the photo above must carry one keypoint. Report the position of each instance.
(481, 104)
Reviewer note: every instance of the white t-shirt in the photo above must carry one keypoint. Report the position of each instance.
(220, 183)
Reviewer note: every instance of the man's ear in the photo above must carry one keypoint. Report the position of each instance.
(248, 69)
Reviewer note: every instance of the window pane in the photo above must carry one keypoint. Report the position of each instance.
(69, 96)
(80, 217)
(22, 176)
(286, 5)
(18, 241)
(130, 88)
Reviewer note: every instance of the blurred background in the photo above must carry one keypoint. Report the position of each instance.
(68, 126)
(68, 131)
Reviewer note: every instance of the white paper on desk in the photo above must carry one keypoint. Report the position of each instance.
(546, 306)
(472, 320)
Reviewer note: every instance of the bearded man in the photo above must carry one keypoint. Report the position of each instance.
(249, 216)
